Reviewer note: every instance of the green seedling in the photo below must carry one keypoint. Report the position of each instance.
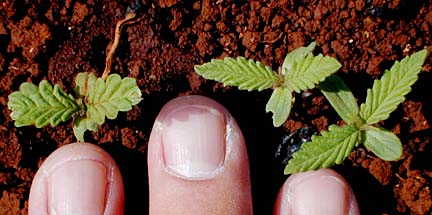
(95, 98)
(301, 70)
(334, 145)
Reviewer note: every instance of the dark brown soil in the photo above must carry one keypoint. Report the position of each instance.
(57, 39)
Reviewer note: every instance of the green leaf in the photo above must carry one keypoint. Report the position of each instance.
(41, 105)
(104, 99)
(296, 55)
(383, 143)
(81, 125)
(81, 83)
(341, 99)
(243, 73)
(280, 105)
(305, 71)
(387, 93)
(324, 151)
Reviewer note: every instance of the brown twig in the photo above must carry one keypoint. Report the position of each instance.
(274, 40)
(129, 19)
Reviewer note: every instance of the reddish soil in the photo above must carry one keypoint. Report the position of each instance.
(55, 40)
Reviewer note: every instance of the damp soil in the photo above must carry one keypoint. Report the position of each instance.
(54, 40)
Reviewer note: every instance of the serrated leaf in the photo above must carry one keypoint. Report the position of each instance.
(42, 105)
(383, 143)
(280, 105)
(387, 93)
(103, 99)
(341, 99)
(81, 125)
(240, 72)
(296, 55)
(106, 99)
(307, 71)
(332, 147)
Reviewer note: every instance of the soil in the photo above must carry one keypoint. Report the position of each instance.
(55, 40)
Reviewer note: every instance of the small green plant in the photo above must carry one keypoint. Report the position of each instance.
(95, 99)
(301, 70)
(334, 145)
